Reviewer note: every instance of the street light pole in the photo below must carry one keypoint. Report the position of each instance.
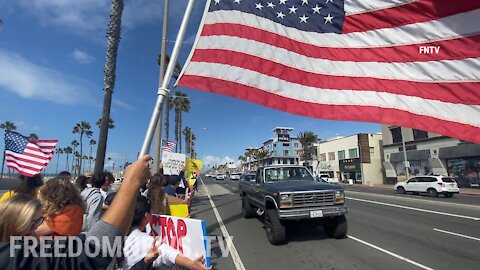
(406, 163)
(163, 55)
(163, 91)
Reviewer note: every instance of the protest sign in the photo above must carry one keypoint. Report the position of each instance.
(192, 170)
(173, 163)
(187, 235)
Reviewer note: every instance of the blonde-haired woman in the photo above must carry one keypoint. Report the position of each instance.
(63, 208)
(20, 215)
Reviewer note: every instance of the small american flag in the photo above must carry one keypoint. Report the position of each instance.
(168, 146)
(398, 62)
(27, 157)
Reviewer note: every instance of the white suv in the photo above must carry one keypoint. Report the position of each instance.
(430, 184)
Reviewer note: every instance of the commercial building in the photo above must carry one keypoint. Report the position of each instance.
(282, 148)
(357, 157)
(429, 153)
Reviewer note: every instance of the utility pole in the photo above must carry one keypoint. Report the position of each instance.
(406, 163)
(191, 137)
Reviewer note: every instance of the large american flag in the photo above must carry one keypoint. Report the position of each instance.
(27, 157)
(168, 146)
(400, 62)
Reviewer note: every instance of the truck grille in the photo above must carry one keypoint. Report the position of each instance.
(313, 199)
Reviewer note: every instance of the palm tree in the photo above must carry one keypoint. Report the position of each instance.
(190, 139)
(243, 160)
(78, 160)
(32, 137)
(111, 123)
(68, 150)
(113, 35)
(176, 70)
(91, 144)
(75, 144)
(90, 159)
(182, 104)
(307, 139)
(6, 126)
(261, 154)
(59, 152)
(109, 159)
(82, 128)
(84, 158)
(169, 106)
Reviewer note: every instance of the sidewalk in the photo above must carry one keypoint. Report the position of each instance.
(464, 191)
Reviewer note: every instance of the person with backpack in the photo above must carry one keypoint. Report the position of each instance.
(94, 202)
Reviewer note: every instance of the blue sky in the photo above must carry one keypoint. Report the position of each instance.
(52, 55)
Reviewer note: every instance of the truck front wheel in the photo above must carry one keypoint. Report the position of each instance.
(336, 227)
(276, 232)
(247, 208)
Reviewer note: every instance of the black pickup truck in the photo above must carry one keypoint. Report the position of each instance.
(282, 193)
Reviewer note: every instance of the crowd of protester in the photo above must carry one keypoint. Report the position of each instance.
(88, 207)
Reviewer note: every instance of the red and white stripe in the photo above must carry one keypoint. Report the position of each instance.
(33, 159)
(372, 72)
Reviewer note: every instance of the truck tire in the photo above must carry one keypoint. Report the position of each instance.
(336, 227)
(247, 209)
(276, 232)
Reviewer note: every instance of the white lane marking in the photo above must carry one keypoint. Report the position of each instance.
(415, 209)
(390, 253)
(457, 234)
(236, 258)
(411, 198)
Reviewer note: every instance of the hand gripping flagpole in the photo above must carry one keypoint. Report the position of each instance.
(163, 91)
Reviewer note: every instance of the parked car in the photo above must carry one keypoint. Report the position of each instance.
(235, 176)
(430, 184)
(247, 177)
(328, 179)
(221, 176)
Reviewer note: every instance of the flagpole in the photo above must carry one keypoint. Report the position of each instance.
(163, 91)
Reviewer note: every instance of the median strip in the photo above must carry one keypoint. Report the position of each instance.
(390, 253)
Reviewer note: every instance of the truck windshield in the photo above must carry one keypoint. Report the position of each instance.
(287, 174)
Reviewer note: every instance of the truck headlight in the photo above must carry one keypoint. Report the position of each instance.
(286, 200)
(339, 197)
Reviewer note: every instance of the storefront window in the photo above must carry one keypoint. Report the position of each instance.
(466, 171)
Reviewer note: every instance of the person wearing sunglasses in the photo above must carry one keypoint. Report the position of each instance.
(21, 215)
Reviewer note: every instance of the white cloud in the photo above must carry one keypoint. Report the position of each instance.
(122, 104)
(90, 17)
(210, 161)
(82, 57)
(29, 80)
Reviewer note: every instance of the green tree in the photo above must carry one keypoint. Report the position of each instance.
(307, 139)
(113, 36)
(32, 137)
(59, 152)
(261, 154)
(82, 128)
(75, 144)
(6, 126)
(169, 106)
(111, 123)
(68, 150)
(91, 144)
(182, 104)
(190, 139)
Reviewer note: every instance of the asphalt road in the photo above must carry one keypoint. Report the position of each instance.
(386, 231)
